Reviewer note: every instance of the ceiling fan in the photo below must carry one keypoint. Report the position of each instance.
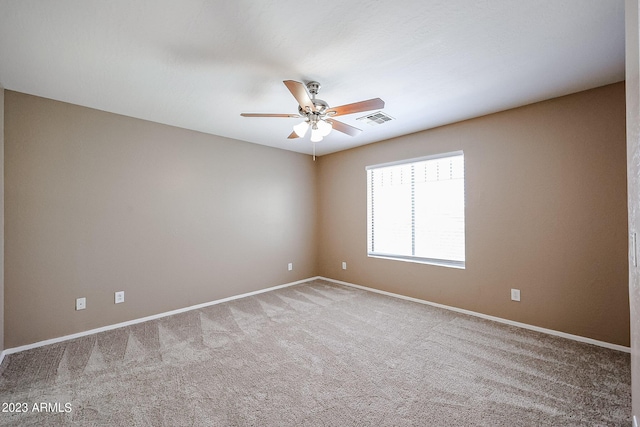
(317, 114)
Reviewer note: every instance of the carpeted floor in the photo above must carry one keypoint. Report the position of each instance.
(318, 354)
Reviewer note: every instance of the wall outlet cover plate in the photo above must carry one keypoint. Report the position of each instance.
(119, 297)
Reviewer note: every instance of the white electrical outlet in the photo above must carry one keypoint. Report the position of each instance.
(515, 294)
(81, 303)
(119, 297)
(344, 265)
(290, 266)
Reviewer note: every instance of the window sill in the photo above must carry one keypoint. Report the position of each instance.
(439, 262)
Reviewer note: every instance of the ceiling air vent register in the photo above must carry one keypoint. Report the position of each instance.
(375, 119)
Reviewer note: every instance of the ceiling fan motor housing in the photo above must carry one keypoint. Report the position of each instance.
(320, 105)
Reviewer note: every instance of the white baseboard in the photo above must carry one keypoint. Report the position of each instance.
(143, 319)
(248, 294)
(493, 318)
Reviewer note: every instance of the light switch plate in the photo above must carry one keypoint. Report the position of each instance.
(515, 294)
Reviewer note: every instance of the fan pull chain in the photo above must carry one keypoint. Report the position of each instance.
(314, 151)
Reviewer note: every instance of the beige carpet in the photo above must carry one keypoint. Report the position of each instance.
(319, 354)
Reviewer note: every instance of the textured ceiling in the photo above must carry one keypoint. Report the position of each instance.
(199, 64)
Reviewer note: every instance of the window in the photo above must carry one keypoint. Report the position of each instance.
(415, 210)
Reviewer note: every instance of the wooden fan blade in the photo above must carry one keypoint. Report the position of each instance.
(293, 135)
(268, 115)
(299, 92)
(344, 128)
(356, 107)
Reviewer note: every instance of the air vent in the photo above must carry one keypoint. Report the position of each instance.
(375, 119)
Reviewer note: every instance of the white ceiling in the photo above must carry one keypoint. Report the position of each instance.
(198, 64)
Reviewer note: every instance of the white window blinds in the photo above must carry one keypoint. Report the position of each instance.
(415, 210)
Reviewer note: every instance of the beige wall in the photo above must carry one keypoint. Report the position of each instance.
(97, 203)
(546, 212)
(1, 218)
(633, 164)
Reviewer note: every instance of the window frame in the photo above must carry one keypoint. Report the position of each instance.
(409, 258)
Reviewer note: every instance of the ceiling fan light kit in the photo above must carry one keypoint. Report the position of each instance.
(317, 114)
(301, 129)
(324, 128)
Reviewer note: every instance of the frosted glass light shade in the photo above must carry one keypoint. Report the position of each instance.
(324, 127)
(301, 129)
(316, 135)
